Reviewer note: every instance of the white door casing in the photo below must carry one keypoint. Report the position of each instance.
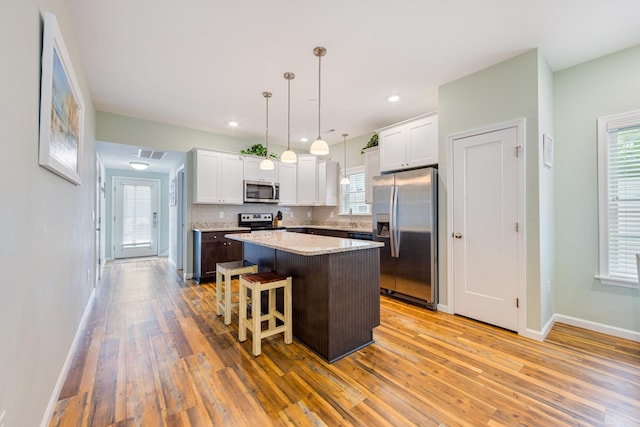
(136, 233)
(486, 226)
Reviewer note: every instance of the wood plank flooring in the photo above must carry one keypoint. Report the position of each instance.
(154, 353)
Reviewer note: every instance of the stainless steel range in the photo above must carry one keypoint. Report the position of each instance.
(257, 221)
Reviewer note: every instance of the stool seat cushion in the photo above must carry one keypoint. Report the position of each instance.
(264, 277)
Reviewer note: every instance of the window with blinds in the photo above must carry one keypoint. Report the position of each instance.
(619, 194)
(137, 216)
(352, 194)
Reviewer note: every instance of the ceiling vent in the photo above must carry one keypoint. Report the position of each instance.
(145, 153)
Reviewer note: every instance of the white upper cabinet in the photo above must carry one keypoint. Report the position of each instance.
(307, 180)
(288, 183)
(409, 144)
(327, 183)
(371, 169)
(217, 178)
(252, 171)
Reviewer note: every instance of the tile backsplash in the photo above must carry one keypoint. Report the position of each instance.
(211, 216)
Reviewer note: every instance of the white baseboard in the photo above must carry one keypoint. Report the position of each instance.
(172, 263)
(444, 308)
(46, 419)
(597, 327)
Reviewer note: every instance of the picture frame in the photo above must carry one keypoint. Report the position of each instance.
(62, 109)
(172, 192)
(547, 150)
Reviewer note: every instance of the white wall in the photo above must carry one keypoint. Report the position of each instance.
(583, 93)
(46, 230)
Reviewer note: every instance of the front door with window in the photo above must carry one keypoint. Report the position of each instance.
(135, 217)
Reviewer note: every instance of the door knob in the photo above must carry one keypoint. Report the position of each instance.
(457, 235)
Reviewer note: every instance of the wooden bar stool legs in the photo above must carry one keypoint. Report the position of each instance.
(257, 283)
(224, 293)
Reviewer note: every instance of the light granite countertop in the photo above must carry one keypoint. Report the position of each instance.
(303, 244)
(336, 227)
(205, 230)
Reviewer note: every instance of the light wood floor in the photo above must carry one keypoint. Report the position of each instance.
(154, 353)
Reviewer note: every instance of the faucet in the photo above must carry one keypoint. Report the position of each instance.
(352, 223)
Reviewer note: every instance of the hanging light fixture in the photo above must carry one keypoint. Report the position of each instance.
(289, 156)
(266, 163)
(345, 180)
(319, 147)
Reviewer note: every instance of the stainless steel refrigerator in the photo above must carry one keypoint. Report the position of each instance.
(405, 220)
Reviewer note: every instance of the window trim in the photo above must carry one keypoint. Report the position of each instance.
(605, 124)
(349, 171)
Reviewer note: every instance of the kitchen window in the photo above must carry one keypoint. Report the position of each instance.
(619, 198)
(352, 194)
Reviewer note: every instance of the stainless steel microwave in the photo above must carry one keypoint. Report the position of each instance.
(261, 192)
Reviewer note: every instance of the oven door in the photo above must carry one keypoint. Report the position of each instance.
(261, 192)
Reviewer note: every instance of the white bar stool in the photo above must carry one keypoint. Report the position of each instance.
(223, 290)
(258, 282)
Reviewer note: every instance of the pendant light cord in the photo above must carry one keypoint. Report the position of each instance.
(319, 90)
(288, 114)
(267, 95)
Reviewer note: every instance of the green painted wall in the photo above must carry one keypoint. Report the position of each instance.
(583, 93)
(46, 226)
(503, 92)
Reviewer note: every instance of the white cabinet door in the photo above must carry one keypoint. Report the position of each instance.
(328, 183)
(409, 144)
(393, 149)
(422, 142)
(218, 178)
(371, 169)
(288, 184)
(307, 180)
(207, 170)
(231, 174)
(252, 171)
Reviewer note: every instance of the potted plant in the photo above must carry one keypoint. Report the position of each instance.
(258, 150)
(373, 142)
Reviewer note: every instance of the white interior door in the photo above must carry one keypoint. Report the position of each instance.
(135, 217)
(485, 227)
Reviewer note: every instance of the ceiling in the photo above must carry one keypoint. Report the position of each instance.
(202, 63)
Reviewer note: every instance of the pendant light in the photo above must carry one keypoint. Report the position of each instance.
(266, 163)
(289, 156)
(345, 180)
(319, 147)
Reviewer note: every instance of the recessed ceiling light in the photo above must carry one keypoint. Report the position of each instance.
(139, 166)
(393, 98)
(303, 139)
(233, 124)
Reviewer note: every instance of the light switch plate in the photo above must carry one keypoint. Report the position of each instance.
(2, 414)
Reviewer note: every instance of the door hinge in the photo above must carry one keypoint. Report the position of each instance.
(518, 148)
(517, 227)
(517, 302)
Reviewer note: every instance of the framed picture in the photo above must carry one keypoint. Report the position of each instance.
(61, 107)
(172, 192)
(547, 150)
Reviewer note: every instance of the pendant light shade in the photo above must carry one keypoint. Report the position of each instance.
(266, 163)
(289, 156)
(345, 180)
(319, 146)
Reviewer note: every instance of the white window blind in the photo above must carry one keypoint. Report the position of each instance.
(352, 194)
(137, 216)
(619, 176)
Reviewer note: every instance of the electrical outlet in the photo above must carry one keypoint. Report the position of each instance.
(88, 278)
(331, 214)
(221, 214)
(308, 214)
(290, 214)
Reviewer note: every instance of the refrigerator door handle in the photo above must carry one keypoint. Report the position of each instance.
(396, 231)
(391, 220)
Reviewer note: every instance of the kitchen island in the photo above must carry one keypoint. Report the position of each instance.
(336, 286)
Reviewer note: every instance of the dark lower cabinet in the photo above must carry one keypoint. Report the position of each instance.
(210, 248)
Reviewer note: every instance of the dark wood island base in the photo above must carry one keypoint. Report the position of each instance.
(336, 296)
